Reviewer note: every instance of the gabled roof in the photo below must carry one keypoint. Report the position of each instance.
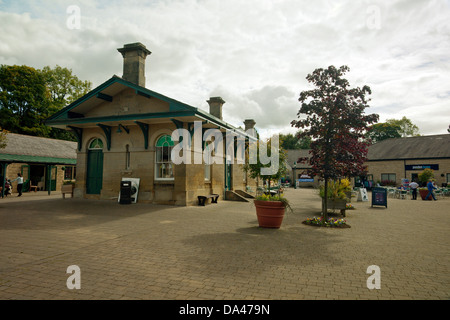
(420, 147)
(23, 148)
(73, 113)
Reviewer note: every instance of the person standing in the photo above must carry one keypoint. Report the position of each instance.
(414, 185)
(19, 183)
(430, 187)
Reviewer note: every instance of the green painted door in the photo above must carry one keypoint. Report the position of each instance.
(228, 176)
(94, 177)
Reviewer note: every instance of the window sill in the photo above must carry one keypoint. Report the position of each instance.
(164, 182)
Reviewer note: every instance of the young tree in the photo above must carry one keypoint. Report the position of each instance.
(254, 165)
(336, 122)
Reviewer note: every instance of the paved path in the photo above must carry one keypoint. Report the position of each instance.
(143, 251)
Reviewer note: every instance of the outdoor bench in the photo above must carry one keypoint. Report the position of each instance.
(202, 200)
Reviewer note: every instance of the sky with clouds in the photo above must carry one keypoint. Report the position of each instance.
(255, 54)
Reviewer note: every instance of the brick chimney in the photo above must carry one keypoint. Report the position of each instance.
(134, 55)
(250, 125)
(215, 106)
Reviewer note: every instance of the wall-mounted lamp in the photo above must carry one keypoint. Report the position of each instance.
(119, 131)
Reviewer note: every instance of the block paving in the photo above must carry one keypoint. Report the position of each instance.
(218, 252)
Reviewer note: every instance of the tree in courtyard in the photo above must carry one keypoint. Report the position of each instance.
(336, 123)
(266, 170)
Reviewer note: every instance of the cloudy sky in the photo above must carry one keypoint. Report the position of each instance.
(255, 54)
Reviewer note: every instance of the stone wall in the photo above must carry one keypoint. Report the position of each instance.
(189, 181)
(376, 168)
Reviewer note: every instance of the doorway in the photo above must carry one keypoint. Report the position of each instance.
(94, 176)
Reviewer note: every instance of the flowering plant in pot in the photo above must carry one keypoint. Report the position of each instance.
(338, 194)
(270, 208)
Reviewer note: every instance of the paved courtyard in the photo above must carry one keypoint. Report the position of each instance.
(143, 251)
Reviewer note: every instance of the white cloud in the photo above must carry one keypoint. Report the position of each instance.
(255, 54)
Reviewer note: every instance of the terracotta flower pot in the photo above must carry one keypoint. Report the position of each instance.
(423, 194)
(270, 214)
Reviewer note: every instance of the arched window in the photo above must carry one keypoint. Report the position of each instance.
(96, 144)
(163, 163)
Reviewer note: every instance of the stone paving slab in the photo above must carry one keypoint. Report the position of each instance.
(217, 252)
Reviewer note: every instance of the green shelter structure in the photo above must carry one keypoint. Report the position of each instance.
(44, 163)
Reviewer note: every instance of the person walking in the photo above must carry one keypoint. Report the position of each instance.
(414, 185)
(430, 187)
(19, 183)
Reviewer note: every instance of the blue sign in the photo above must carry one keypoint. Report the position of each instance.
(421, 166)
(305, 180)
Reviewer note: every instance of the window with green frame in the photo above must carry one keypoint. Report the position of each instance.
(163, 161)
(69, 172)
(96, 144)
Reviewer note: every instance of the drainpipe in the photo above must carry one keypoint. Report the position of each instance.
(4, 165)
(404, 168)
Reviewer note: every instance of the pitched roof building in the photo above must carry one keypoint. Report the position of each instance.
(124, 131)
(38, 160)
(404, 158)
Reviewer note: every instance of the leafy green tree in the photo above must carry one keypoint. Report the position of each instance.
(63, 88)
(407, 128)
(290, 141)
(23, 100)
(254, 167)
(2, 139)
(382, 131)
(336, 122)
(29, 96)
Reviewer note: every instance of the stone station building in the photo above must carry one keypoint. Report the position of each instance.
(124, 131)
